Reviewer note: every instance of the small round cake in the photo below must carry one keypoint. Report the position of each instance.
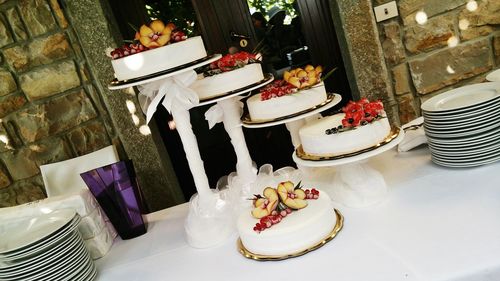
(276, 107)
(362, 125)
(159, 59)
(219, 84)
(297, 231)
(316, 142)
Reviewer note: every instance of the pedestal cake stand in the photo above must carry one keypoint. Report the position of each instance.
(356, 184)
(228, 109)
(209, 222)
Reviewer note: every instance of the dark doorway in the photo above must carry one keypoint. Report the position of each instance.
(224, 24)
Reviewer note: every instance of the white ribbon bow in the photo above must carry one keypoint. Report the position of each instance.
(215, 114)
(172, 88)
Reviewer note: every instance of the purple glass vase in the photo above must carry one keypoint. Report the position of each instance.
(115, 188)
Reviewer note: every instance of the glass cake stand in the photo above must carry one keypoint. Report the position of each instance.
(355, 184)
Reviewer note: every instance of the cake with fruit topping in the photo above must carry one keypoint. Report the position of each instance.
(300, 89)
(231, 72)
(286, 220)
(156, 47)
(361, 125)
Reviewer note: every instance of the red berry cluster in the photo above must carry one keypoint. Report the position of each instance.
(361, 112)
(232, 61)
(177, 36)
(274, 218)
(277, 89)
(312, 194)
(127, 50)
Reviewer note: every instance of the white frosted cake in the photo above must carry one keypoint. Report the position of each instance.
(362, 125)
(159, 59)
(297, 231)
(316, 142)
(276, 107)
(216, 85)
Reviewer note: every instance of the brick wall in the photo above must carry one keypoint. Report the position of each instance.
(418, 57)
(50, 108)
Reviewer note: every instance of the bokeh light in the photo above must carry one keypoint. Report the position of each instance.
(421, 17)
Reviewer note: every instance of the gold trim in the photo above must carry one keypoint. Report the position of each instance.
(304, 156)
(336, 229)
(248, 121)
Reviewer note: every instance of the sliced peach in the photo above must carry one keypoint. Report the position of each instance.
(318, 69)
(309, 68)
(294, 81)
(260, 213)
(286, 75)
(291, 196)
(302, 74)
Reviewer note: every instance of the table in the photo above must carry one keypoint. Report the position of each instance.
(437, 224)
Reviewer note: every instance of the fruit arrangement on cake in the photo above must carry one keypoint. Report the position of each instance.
(229, 73)
(300, 89)
(361, 125)
(286, 220)
(156, 47)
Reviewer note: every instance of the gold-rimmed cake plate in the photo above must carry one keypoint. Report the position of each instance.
(332, 100)
(268, 78)
(336, 229)
(394, 138)
(122, 84)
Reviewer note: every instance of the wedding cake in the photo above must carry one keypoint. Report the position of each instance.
(231, 72)
(286, 220)
(300, 89)
(156, 48)
(362, 125)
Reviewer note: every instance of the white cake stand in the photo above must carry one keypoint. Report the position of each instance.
(356, 184)
(293, 122)
(209, 221)
(230, 106)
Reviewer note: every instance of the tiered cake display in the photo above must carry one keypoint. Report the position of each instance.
(162, 62)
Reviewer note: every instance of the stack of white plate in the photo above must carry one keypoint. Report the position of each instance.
(47, 247)
(462, 125)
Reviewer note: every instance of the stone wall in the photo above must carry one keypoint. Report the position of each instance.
(54, 104)
(454, 47)
(46, 108)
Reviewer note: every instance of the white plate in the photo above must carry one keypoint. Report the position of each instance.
(466, 160)
(462, 98)
(487, 121)
(466, 146)
(479, 138)
(17, 234)
(470, 118)
(45, 256)
(470, 113)
(464, 133)
(494, 76)
(470, 110)
(464, 152)
(43, 244)
(66, 260)
(466, 165)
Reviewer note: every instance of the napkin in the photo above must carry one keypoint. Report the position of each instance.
(414, 135)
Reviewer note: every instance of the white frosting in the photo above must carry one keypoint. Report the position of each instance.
(159, 59)
(296, 232)
(222, 83)
(316, 142)
(285, 105)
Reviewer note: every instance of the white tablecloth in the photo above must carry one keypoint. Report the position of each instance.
(437, 224)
